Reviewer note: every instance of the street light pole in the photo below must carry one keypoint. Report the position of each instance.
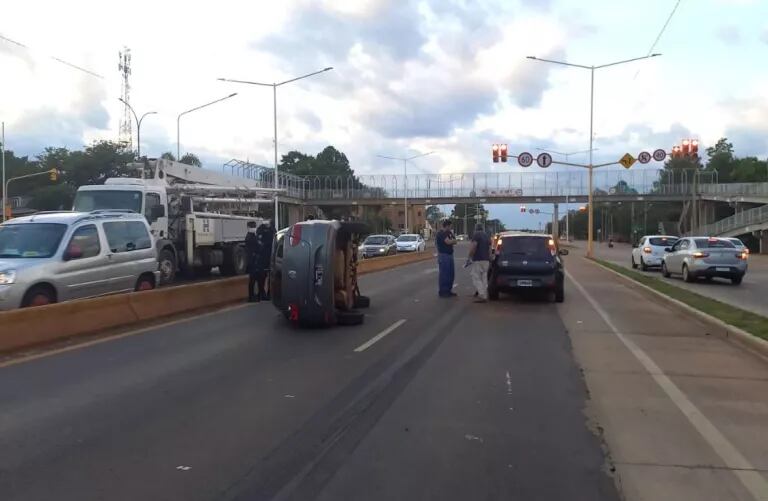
(405, 161)
(2, 149)
(138, 124)
(274, 110)
(592, 68)
(178, 121)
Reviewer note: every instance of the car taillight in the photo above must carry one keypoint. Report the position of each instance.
(295, 237)
(293, 313)
(742, 255)
(701, 254)
(647, 250)
(746, 251)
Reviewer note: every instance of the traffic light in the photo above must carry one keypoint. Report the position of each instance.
(522, 208)
(503, 151)
(686, 149)
(495, 151)
(676, 152)
(689, 148)
(583, 208)
(694, 148)
(54, 175)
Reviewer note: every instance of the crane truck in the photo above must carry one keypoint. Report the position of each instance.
(198, 217)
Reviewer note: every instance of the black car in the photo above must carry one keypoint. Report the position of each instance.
(525, 261)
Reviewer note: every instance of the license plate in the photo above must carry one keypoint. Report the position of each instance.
(524, 283)
(722, 269)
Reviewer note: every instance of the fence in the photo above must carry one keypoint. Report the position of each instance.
(756, 216)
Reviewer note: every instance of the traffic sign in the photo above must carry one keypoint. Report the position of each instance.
(530, 211)
(537, 211)
(659, 155)
(627, 160)
(525, 159)
(644, 157)
(544, 160)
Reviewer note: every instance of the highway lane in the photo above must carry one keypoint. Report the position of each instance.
(238, 405)
(749, 295)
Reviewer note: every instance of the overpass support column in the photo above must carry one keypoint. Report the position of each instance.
(556, 222)
(764, 242)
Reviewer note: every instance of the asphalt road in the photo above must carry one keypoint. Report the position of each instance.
(430, 399)
(750, 295)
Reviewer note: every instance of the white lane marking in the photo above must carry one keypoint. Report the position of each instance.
(509, 384)
(752, 480)
(183, 468)
(379, 336)
(430, 270)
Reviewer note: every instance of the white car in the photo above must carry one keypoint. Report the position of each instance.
(410, 242)
(650, 251)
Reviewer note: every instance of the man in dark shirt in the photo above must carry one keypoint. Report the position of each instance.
(252, 251)
(480, 255)
(265, 235)
(444, 241)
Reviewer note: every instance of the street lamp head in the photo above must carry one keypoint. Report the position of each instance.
(531, 57)
(656, 54)
(329, 68)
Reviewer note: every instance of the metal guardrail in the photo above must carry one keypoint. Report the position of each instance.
(756, 216)
(735, 189)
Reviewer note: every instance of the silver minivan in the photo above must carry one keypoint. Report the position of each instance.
(58, 256)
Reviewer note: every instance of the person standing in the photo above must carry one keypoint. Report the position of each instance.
(252, 251)
(265, 235)
(479, 257)
(445, 241)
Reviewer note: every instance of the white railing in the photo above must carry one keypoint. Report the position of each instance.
(756, 216)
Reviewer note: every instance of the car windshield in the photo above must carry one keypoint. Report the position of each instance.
(375, 241)
(86, 201)
(407, 238)
(713, 243)
(526, 246)
(662, 241)
(30, 240)
(736, 242)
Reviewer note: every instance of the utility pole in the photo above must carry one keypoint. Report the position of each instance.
(2, 148)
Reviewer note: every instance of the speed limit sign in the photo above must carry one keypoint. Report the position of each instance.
(659, 155)
(525, 159)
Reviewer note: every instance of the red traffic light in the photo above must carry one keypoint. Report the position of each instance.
(503, 151)
(522, 208)
(583, 208)
(495, 151)
(686, 149)
(694, 147)
(676, 152)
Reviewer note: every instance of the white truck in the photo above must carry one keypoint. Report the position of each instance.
(198, 217)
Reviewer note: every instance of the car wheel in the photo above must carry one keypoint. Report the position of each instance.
(39, 295)
(362, 302)
(351, 317)
(167, 266)
(664, 271)
(560, 292)
(493, 292)
(145, 283)
(634, 264)
(736, 280)
(687, 275)
(643, 266)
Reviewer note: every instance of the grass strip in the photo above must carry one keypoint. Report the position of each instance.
(757, 325)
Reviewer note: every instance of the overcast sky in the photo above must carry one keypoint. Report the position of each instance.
(448, 76)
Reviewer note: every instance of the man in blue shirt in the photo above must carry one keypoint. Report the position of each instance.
(444, 241)
(480, 256)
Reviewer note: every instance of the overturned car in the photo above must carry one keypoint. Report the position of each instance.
(314, 273)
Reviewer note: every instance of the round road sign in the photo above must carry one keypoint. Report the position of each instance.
(537, 211)
(530, 211)
(659, 155)
(525, 159)
(644, 157)
(544, 160)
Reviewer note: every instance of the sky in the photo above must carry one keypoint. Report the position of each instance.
(409, 77)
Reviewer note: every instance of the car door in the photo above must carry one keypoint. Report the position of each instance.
(637, 251)
(680, 251)
(84, 269)
(130, 250)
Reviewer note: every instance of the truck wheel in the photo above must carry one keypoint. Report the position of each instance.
(351, 317)
(235, 262)
(362, 302)
(167, 266)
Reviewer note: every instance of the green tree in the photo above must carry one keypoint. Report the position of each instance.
(191, 159)
(432, 214)
(466, 212)
(168, 156)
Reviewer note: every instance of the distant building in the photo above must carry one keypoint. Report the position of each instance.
(20, 206)
(417, 217)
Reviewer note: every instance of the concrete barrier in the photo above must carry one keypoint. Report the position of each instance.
(29, 327)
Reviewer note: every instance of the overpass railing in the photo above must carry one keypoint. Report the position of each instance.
(294, 186)
(758, 215)
(503, 185)
(735, 189)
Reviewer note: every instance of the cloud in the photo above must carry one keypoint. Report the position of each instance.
(729, 34)
(764, 36)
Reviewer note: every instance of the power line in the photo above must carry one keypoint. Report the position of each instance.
(663, 29)
(58, 60)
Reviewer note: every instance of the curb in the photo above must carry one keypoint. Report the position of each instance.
(753, 343)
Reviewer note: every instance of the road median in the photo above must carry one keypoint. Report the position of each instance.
(748, 328)
(30, 327)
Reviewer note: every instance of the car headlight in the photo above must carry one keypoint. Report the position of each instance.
(7, 277)
(382, 250)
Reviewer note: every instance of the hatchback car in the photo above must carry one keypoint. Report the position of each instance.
(53, 257)
(650, 250)
(707, 257)
(378, 245)
(526, 261)
(410, 242)
(314, 273)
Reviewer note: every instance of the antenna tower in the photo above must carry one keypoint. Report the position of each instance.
(125, 136)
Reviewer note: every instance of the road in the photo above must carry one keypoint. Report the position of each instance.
(750, 295)
(430, 399)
